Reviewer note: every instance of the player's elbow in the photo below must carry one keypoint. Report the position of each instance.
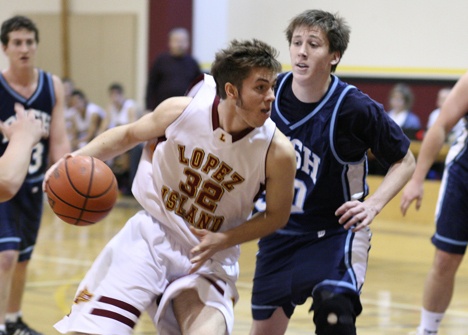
(8, 189)
(279, 220)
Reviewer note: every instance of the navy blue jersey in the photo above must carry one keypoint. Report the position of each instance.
(43, 102)
(331, 142)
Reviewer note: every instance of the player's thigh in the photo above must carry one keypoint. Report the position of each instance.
(194, 317)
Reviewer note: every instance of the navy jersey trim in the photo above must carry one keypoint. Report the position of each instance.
(40, 83)
(333, 124)
(313, 112)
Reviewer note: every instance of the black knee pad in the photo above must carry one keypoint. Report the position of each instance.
(335, 315)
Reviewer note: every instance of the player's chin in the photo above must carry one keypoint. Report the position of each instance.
(261, 121)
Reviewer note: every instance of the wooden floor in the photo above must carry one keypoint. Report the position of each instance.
(399, 260)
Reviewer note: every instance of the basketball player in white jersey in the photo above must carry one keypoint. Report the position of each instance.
(177, 258)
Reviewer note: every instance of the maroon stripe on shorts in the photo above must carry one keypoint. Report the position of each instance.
(216, 286)
(113, 315)
(121, 304)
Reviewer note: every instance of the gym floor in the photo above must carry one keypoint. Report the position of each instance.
(400, 257)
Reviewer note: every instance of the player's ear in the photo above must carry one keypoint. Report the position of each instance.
(231, 90)
(336, 58)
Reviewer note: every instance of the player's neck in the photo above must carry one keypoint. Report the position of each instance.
(310, 91)
(229, 121)
(22, 77)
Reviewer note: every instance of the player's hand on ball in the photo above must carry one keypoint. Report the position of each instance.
(210, 243)
(52, 169)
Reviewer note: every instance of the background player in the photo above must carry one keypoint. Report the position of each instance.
(21, 82)
(451, 237)
(22, 134)
(197, 189)
(322, 252)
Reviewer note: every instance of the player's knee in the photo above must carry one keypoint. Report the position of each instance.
(8, 260)
(335, 316)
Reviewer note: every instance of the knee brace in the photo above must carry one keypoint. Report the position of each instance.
(335, 315)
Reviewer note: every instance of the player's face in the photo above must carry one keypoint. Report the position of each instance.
(21, 48)
(179, 44)
(397, 102)
(116, 97)
(78, 103)
(256, 97)
(309, 52)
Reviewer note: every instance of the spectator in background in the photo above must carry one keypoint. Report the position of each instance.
(457, 129)
(87, 118)
(121, 111)
(437, 169)
(173, 71)
(401, 101)
(68, 87)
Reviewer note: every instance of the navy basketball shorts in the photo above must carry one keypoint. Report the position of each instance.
(20, 219)
(291, 268)
(452, 211)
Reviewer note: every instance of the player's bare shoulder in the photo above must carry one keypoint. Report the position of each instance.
(171, 108)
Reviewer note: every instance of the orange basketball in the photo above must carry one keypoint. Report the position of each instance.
(82, 190)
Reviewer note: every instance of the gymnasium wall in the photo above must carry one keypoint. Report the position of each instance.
(421, 42)
(108, 42)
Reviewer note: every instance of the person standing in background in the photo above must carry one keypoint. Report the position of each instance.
(68, 88)
(86, 119)
(173, 71)
(451, 236)
(121, 111)
(22, 82)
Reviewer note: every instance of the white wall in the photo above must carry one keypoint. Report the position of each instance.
(9, 8)
(418, 38)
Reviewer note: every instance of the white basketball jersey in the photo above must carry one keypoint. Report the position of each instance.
(199, 176)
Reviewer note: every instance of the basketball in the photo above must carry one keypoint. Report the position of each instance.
(82, 190)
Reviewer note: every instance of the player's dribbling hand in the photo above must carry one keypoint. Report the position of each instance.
(209, 244)
(355, 215)
(412, 191)
(51, 169)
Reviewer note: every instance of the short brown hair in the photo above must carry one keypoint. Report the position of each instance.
(234, 64)
(17, 23)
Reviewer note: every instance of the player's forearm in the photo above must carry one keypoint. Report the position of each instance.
(395, 179)
(14, 166)
(430, 147)
(260, 225)
(107, 145)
